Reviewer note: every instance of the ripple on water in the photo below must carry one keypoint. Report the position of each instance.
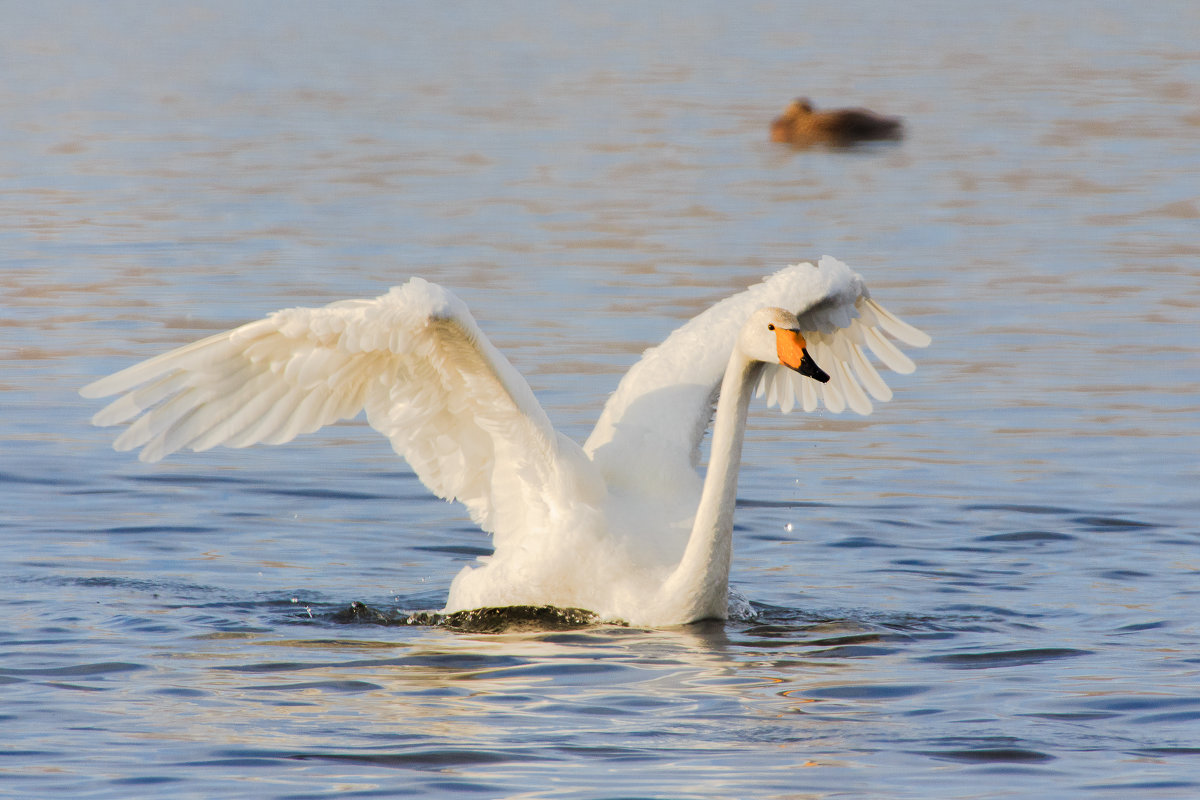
(339, 687)
(991, 755)
(1112, 524)
(867, 691)
(1004, 658)
(1034, 537)
(96, 670)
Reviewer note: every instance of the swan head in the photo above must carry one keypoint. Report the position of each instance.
(772, 335)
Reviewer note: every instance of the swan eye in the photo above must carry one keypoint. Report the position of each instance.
(770, 326)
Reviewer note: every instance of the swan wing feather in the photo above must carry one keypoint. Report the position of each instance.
(648, 437)
(413, 359)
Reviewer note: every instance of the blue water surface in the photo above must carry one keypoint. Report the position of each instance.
(986, 589)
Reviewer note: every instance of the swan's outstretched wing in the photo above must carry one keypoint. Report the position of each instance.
(413, 359)
(648, 437)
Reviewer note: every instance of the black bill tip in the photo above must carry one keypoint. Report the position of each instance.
(809, 369)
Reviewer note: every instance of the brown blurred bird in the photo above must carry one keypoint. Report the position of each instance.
(800, 124)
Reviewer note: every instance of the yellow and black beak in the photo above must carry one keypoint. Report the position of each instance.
(793, 353)
(809, 368)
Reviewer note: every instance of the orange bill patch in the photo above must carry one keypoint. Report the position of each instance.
(790, 347)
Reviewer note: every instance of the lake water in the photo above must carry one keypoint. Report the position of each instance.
(989, 588)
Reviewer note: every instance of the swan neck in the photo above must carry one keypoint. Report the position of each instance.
(702, 577)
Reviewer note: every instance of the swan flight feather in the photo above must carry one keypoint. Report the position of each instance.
(414, 360)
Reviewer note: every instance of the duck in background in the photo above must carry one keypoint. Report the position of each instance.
(803, 126)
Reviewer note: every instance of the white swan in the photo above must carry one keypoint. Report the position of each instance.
(622, 526)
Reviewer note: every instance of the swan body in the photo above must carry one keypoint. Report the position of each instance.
(623, 526)
(802, 125)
